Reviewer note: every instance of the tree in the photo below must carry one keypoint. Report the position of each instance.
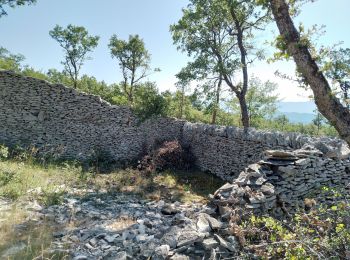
(218, 35)
(337, 68)
(318, 121)
(261, 100)
(134, 61)
(295, 46)
(282, 121)
(77, 43)
(148, 102)
(9, 61)
(12, 4)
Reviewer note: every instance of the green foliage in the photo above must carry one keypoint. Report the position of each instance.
(134, 62)
(76, 43)
(12, 4)
(337, 68)
(9, 61)
(219, 36)
(148, 102)
(323, 233)
(4, 152)
(261, 101)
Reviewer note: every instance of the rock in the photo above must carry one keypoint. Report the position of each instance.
(208, 223)
(203, 224)
(80, 257)
(161, 252)
(34, 206)
(171, 236)
(111, 239)
(225, 244)
(188, 237)
(209, 243)
(122, 256)
(279, 154)
(179, 257)
(141, 238)
(169, 210)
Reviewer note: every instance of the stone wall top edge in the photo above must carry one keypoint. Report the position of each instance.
(12, 74)
(293, 140)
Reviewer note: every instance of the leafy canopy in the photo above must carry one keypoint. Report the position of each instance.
(12, 4)
(76, 43)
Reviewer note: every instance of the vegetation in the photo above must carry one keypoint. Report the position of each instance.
(76, 43)
(134, 62)
(23, 179)
(12, 4)
(219, 35)
(321, 233)
(293, 45)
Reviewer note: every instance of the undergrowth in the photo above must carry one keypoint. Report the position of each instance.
(321, 233)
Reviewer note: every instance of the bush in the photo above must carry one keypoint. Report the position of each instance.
(321, 233)
(4, 152)
(169, 155)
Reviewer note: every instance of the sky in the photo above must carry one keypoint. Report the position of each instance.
(26, 31)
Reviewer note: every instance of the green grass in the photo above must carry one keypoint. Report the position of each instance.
(26, 179)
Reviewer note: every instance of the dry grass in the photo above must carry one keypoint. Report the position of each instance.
(23, 238)
(27, 181)
(186, 187)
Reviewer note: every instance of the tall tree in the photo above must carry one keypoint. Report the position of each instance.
(291, 42)
(134, 61)
(12, 4)
(219, 32)
(76, 43)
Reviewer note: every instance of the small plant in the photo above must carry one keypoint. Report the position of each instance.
(321, 233)
(4, 152)
(52, 197)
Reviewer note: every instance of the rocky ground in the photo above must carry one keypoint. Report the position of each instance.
(119, 226)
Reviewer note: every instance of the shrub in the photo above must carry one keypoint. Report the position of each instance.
(321, 233)
(4, 152)
(169, 155)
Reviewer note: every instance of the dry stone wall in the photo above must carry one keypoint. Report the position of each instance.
(280, 183)
(226, 151)
(62, 122)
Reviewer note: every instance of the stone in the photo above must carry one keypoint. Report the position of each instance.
(210, 243)
(80, 257)
(111, 239)
(188, 237)
(225, 244)
(122, 256)
(278, 154)
(161, 252)
(203, 224)
(169, 210)
(179, 257)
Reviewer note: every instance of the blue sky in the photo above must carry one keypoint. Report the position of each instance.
(25, 30)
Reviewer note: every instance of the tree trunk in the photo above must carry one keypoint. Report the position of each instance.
(243, 53)
(216, 105)
(244, 111)
(326, 102)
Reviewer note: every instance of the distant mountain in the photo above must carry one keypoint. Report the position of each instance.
(297, 112)
(295, 117)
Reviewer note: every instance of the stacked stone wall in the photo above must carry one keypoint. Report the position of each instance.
(226, 151)
(62, 122)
